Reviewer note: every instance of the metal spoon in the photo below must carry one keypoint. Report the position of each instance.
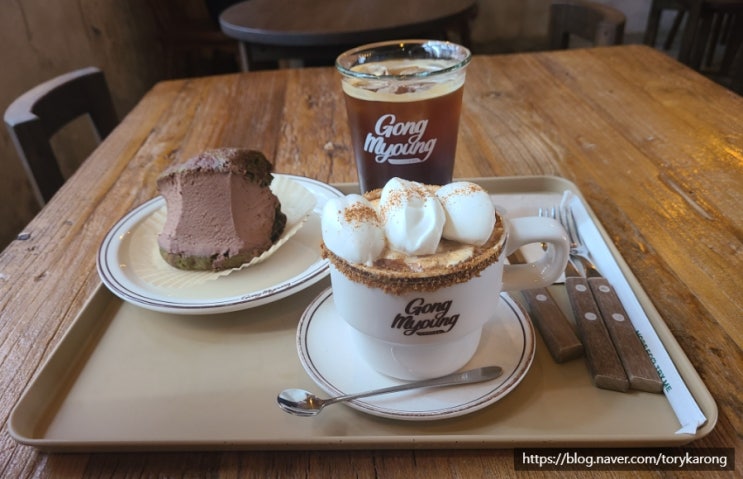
(304, 403)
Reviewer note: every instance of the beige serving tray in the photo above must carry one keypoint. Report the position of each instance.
(125, 378)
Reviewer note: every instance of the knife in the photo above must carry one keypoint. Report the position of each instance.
(602, 359)
(639, 369)
(642, 374)
(556, 331)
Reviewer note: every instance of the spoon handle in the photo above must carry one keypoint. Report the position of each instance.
(470, 376)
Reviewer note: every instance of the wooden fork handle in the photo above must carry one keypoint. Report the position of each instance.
(602, 359)
(556, 331)
(637, 364)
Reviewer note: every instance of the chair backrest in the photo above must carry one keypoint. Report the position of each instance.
(736, 71)
(592, 21)
(34, 117)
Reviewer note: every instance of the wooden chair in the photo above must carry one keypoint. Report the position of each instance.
(704, 30)
(34, 117)
(736, 71)
(592, 21)
(731, 67)
(657, 7)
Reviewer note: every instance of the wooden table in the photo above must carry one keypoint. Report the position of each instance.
(307, 29)
(655, 148)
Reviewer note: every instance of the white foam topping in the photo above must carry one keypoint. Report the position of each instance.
(351, 229)
(410, 218)
(470, 214)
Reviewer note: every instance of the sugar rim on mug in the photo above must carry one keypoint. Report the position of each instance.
(400, 49)
(399, 282)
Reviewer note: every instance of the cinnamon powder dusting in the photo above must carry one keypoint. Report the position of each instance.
(396, 198)
(358, 214)
(465, 189)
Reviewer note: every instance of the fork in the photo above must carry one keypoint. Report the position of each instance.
(602, 359)
(557, 332)
(636, 364)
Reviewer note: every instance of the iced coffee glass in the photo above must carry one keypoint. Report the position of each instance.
(404, 100)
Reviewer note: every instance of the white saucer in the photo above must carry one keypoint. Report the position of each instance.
(326, 353)
(294, 267)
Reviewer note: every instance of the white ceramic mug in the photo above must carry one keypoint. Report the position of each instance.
(417, 335)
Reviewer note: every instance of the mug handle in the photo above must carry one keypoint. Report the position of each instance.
(547, 269)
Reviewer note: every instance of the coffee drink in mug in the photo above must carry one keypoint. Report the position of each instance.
(417, 271)
(403, 100)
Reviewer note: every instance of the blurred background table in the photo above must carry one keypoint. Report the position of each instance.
(654, 146)
(307, 31)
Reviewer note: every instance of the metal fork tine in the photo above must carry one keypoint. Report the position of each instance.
(572, 228)
(561, 219)
(549, 213)
(564, 221)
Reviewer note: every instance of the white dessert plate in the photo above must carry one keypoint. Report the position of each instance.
(327, 354)
(295, 266)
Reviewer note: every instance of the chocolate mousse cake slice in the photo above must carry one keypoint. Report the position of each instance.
(221, 212)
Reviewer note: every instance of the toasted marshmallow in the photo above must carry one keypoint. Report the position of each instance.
(411, 216)
(351, 229)
(470, 214)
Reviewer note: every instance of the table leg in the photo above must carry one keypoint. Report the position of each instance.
(244, 53)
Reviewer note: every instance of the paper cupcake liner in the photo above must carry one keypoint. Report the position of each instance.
(296, 203)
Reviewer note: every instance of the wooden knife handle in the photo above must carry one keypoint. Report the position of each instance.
(639, 368)
(603, 361)
(556, 331)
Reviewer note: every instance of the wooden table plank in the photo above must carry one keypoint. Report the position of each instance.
(655, 148)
